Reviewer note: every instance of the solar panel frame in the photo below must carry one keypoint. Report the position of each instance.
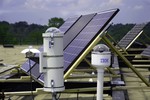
(72, 51)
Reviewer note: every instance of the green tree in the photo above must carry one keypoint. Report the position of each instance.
(4, 27)
(55, 22)
(117, 31)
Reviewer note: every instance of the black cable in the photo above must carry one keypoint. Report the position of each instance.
(31, 80)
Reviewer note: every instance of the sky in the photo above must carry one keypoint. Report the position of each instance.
(40, 11)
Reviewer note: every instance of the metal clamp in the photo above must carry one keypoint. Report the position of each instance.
(51, 43)
(52, 85)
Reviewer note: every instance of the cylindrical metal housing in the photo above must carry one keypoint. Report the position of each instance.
(51, 61)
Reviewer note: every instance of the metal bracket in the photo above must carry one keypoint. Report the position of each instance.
(52, 85)
(51, 43)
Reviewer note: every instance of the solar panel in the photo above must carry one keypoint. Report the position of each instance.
(86, 36)
(68, 23)
(77, 27)
(146, 52)
(130, 37)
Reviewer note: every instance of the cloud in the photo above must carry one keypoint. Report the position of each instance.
(35, 4)
(5, 2)
(79, 7)
(106, 4)
(4, 11)
(138, 7)
(115, 2)
(64, 8)
(41, 10)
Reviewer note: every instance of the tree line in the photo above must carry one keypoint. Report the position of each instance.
(20, 33)
(117, 31)
(23, 33)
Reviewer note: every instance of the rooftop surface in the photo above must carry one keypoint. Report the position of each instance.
(136, 89)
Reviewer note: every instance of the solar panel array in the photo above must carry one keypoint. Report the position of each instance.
(130, 36)
(146, 52)
(86, 36)
(81, 37)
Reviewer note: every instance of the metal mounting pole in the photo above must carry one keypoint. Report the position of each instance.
(54, 96)
(100, 78)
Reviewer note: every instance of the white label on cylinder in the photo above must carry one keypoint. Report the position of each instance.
(101, 60)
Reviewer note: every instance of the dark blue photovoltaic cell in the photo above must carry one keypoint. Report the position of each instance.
(129, 37)
(35, 71)
(41, 78)
(68, 23)
(85, 37)
(26, 67)
(76, 28)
